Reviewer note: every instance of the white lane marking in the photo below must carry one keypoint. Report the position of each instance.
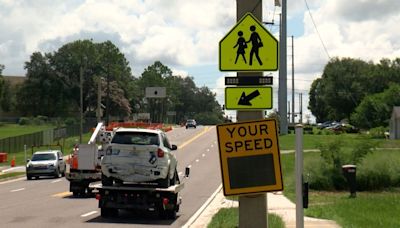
(197, 160)
(202, 208)
(15, 180)
(190, 166)
(89, 214)
(212, 145)
(208, 150)
(17, 190)
(203, 155)
(180, 173)
(55, 181)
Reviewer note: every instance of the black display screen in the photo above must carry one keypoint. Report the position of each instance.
(251, 171)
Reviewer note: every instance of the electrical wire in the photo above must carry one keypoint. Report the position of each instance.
(316, 29)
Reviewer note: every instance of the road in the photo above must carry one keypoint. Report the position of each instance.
(46, 202)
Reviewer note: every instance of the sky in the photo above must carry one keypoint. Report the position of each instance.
(185, 34)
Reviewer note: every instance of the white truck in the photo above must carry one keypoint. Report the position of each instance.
(84, 166)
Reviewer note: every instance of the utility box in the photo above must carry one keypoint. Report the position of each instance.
(3, 157)
(349, 171)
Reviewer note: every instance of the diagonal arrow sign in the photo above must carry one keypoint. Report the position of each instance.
(245, 100)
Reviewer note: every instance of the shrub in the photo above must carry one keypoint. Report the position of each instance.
(377, 133)
(24, 121)
(40, 120)
(326, 172)
(378, 171)
(70, 121)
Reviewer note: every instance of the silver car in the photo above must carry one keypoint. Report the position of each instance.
(46, 163)
(139, 155)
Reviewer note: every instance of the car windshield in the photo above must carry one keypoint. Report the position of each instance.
(190, 121)
(43, 157)
(138, 138)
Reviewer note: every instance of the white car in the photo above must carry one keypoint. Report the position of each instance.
(139, 155)
(45, 163)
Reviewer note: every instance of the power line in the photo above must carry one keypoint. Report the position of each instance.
(316, 29)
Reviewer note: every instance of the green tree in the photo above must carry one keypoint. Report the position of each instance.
(341, 88)
(42, 93)
(54, 80)
(375, 109)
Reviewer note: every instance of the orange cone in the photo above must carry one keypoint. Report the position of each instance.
(13, 162)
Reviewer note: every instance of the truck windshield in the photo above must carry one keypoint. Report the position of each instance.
(138, 138)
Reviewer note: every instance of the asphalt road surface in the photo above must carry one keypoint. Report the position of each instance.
(46, 202)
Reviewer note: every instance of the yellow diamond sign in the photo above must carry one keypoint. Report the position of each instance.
(248, 47)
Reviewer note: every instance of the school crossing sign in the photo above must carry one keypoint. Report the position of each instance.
(249, 157)
(248, 46)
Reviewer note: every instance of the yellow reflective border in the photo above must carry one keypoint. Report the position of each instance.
(249, 157)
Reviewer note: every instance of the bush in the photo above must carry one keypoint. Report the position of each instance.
(39, 120)
(325, 173)
(378, 132)
(378, 171)
(71, 121)
(24, 121)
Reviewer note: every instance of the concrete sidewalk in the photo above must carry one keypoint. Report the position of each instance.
(277, 204)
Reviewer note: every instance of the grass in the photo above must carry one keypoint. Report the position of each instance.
(229, 217)
(378, 209)
(368, 209)
(10, 130)
(287, 142)
(7, 176)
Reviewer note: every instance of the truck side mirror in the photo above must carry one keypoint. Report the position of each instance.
(187, 171)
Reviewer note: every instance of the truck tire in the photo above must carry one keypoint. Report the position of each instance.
(167, 213)
(108, 212)
(106, 181)
(28, 177)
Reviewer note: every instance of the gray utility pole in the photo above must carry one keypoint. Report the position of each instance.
(282, 96)
(301, 109)
(292, 81)
(252, 209)
(81, 103)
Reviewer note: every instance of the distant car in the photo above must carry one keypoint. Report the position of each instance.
(139, 155)
(46, 163)
(191, 123)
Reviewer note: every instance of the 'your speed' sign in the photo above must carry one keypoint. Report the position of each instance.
(249, 157)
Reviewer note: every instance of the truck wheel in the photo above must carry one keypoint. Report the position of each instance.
(167, 214)
(106, 181)
(108, 212)
(28, 177)
(76, 193)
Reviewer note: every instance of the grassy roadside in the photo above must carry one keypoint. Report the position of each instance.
(229, 218)
(368, 209)
(10, 130)
(7, 176)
